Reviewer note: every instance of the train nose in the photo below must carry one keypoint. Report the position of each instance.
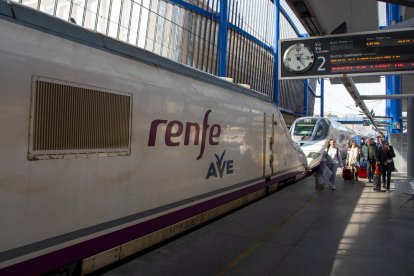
(311, 163)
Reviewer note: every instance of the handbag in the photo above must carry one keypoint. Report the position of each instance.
(326, 172)
(391, 165)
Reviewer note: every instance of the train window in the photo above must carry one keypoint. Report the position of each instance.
(74, 120)
(322, 130)
(304, 127)
(319, 133)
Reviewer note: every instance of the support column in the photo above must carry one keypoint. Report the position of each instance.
(393, 83)
(410, 137)
(222, 41)
(275, 54)
(305, 97)
(322, 96)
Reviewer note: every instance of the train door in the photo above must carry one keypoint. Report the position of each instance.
(268, 145)
(281, 146)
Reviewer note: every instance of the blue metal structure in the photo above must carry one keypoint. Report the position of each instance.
(229, 38)
(305, 90)
(393, 83)
(275, 54)
(222, 45)
(305, 97)
(218, 17)
(193, 8)
(292, 24)
(241, 42)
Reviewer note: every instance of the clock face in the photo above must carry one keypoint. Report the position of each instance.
(298, 58)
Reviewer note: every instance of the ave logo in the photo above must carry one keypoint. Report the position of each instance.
(220, 166)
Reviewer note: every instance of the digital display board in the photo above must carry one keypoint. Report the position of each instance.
(359, 54)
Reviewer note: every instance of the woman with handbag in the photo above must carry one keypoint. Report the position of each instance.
(352, 160)
(385, 159)
(333, 161)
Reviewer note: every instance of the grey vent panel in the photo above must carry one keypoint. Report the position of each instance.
(74, 119)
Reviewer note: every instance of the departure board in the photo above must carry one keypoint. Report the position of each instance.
(374, 53)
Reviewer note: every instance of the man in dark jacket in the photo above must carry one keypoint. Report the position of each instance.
(385, 157)
(363, 154)
(380, 142)
(372, 153)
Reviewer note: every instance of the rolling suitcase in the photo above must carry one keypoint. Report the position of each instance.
(346, 173)
(376, 179)
(362, 172)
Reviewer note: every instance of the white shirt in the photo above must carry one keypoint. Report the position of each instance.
(335, 156)
(352, 156)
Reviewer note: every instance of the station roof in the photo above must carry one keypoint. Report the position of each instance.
(323, 17)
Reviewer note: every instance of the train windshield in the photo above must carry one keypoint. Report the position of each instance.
(304, 127)
(309, 129)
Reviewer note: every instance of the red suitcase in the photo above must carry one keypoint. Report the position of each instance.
(347, 173)
(362, 172)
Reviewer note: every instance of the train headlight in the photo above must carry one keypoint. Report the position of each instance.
(314, 155)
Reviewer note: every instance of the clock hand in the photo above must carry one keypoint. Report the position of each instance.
(300, 59)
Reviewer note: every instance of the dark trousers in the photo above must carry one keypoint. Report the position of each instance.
(386, 176)
(371, 168)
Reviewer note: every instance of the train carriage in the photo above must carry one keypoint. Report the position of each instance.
(108, 149)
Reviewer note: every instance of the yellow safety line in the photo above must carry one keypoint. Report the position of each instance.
(273, 230)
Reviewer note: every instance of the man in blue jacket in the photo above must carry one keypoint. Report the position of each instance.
(372, 153)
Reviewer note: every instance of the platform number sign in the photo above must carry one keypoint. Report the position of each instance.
(371, 53)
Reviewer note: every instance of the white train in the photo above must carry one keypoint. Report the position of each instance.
(107, 149)
(312, 134)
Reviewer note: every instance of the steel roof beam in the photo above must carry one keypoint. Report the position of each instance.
(391, 96)
(353, 91)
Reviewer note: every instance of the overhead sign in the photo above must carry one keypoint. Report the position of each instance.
(359, 54)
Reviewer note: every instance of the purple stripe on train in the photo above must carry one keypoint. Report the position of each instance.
(77, 252)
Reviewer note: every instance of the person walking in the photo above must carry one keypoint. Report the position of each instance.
(352, 160)
(386, 164)
(372, 149)
(334, 160)
(363, 155)
(380, 142)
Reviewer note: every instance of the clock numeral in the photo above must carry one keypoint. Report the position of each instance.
(321, 68)
(289, 59)
(298, 67)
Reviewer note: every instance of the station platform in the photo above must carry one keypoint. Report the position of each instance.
(295, 231)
